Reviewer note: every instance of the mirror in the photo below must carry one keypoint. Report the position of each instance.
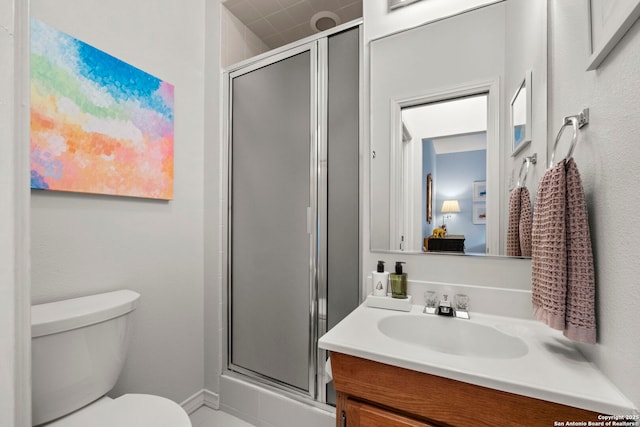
(521, 115)
(452, 104)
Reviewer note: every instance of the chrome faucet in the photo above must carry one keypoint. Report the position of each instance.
(444, 307)
(460, 307)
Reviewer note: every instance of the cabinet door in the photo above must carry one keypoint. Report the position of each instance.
(360, 414)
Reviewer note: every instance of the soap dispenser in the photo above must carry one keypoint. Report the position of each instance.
(398, 282)
(380, 280)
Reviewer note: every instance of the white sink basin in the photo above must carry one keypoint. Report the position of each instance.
(513, 355)
(453, 336)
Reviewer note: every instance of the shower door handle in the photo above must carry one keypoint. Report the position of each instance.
(310, 225)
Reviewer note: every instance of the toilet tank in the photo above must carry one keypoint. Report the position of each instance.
(78, 350)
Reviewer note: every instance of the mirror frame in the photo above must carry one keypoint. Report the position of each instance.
(429, 198)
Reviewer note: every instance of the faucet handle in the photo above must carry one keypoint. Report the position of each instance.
(430, 302)
(445, 296)
(430, 298)
(461, 301)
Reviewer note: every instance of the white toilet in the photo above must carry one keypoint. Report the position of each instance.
(78, 350)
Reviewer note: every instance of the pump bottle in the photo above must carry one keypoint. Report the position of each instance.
(380, 279)
(399, 282)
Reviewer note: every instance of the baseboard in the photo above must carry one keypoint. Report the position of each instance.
(202, 398)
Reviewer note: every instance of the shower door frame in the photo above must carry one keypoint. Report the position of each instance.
(316, 214)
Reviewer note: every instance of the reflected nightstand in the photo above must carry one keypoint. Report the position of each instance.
(449, 243)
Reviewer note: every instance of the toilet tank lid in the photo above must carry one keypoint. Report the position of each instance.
(59, 316)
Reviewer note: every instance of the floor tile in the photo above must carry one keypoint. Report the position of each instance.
(207, 417)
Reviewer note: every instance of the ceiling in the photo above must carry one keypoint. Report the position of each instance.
(278, 22)
(444, 123)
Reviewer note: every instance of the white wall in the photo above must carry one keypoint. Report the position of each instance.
(380, 21)
(238, 41)
(607, 156)
(15, 392)
(84, 244)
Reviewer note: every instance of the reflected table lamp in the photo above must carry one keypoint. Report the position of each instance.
(449, 207)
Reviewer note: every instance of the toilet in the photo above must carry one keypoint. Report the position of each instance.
(78, 350)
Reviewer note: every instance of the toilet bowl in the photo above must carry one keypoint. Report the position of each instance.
(78, 350)
(129, 410)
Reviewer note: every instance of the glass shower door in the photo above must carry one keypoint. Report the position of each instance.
(273, 239)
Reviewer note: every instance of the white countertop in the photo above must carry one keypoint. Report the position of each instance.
(552, 370)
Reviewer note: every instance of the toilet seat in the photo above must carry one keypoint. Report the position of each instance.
(129, 410)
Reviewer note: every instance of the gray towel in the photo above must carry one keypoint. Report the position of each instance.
(562, 260)
(520, 219)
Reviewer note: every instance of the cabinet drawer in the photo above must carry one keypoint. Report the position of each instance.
(361, 414)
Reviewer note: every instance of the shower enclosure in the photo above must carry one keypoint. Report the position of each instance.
(293, 243)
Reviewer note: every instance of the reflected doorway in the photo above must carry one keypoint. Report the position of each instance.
(445, 143)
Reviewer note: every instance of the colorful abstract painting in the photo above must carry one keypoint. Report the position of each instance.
(98, 124)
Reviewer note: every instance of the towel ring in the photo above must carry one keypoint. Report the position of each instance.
(527, 161)
(576, 122)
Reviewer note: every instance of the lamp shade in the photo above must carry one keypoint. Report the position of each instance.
(449, 206)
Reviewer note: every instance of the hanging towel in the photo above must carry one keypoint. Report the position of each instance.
(562, 259)
(520, 220)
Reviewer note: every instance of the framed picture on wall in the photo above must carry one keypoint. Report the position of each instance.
(480, 191)
(610, 20)
(479, 213)
(98, 124)
(521, 115)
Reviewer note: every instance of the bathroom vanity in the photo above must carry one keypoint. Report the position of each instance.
(372, 393)
(414, 369)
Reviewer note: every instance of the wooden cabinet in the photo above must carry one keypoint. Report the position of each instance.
(361, 414)
(372, 394)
